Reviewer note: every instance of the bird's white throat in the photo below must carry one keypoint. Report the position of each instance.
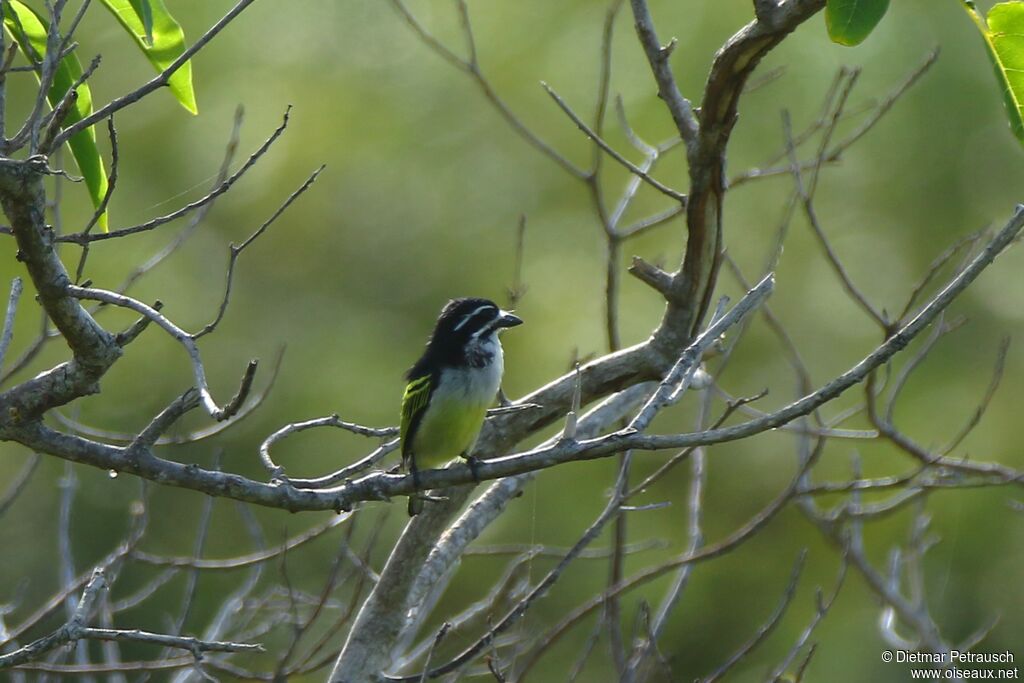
(478, 381)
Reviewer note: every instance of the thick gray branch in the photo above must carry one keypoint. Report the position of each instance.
(505, 428)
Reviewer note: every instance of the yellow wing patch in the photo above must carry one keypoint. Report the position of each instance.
(417, 393)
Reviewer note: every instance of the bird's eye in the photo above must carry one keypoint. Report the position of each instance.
(482, 314)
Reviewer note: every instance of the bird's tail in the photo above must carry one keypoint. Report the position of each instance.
(416, 499)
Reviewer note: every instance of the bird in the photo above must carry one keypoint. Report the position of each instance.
(451, 387)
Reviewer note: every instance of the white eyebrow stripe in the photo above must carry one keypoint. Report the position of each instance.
(470, 316)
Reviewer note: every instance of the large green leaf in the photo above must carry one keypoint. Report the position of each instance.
(1004, 38)
(162, 40)
(29, 31)
(849, 22)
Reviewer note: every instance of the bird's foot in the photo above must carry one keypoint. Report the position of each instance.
(474, 467)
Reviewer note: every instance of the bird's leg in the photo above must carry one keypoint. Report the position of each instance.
(416, 497)
(474, 466)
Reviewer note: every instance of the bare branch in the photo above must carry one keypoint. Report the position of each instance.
(767, 627)
(518, 289)
(382, 485)
(19, 482)
(470, 653)
(22, 196)
(812, 218)
(178, 642)
(102, 208)
(822, 607)
(236, 251)
(942, 328)
(222, 175)
(967, 242)
(473, 69)
(835, 153)
(159, 81)
(55, 118)
(544, 551)
(633, 168)
(679, 377)
(657, 57)
(645, 224)
(277, 472)
(656, 624)
(986, 399)
(243, 560)
(71, 631)
(12, 311)
(162, 422)
(84, 238)
(707, 552)
(345, 473)
(651, 275)
(182, 337)
(177, 439)
(45, 67)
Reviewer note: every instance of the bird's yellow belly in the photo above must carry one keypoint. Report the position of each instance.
(449, 429)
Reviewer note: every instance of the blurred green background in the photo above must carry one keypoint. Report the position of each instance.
(420, 200)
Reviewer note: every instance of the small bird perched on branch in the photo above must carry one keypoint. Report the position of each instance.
(451, 386)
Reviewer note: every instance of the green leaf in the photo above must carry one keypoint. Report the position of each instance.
(849, 22)
(29, 31)
(146, 10)
(1004, 38)
(162, 40)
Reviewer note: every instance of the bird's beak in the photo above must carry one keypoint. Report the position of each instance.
(508, 320)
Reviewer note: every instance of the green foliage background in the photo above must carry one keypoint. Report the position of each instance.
(419, 203)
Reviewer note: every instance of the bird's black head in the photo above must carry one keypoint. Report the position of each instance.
(462, 323)
(463, 320)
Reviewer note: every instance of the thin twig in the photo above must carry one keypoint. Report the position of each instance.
(986, 399)
(241, 561)
(236, 251)
(19, 482)
(822, 608)
(178, 439)
(12, 311)
(755, 524)
(472, 68)
(159, 81)
(102, 208)
(197, 218)
(50, 124)
(517, 291)
(470, 653)
(85, 238)
(633, 168)
(276, 471)
(812, 218)
(765, 630)
(966, 242)
(657, 56)
(182, 337)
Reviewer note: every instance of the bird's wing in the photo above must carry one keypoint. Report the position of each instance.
(414, 403)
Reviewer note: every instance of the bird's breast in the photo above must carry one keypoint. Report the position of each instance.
(457, 409)
(474, 385)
